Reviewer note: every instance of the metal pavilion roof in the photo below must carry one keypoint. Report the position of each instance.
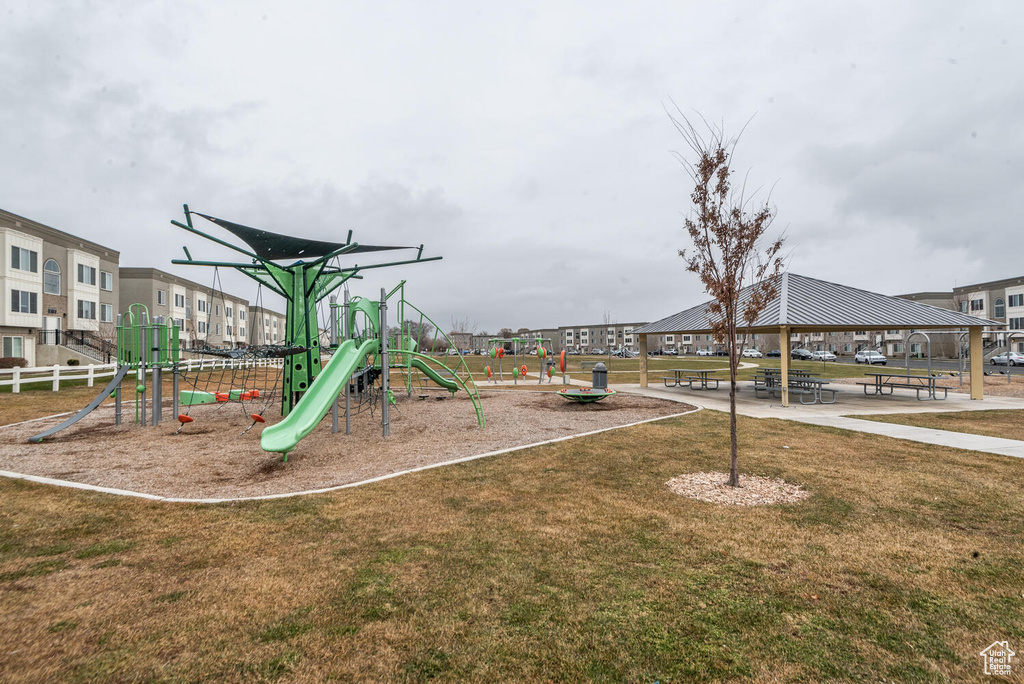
(814, 304)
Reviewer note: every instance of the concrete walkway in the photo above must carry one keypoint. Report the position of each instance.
(850, 403)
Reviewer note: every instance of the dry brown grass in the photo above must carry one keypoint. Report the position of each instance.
(568, 562)
(1008, 424)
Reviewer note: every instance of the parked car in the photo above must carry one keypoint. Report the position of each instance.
(705, 352)
(597, 352)
(655, 352)
(823, 356)
(722, 352)
(870, 356)
(800, 355)
(671, 352)
(1014, 358)
(774, 354)
(752, 354)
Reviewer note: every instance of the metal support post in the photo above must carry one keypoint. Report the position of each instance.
(157, 378)
(335, 345)
(385, 413)
(347, 332)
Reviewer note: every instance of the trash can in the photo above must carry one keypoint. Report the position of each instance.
(600, 376)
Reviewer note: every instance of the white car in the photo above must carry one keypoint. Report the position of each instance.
(870, 356)
(705, 352)
(1015, 359)
(823, 356)
(752, 354)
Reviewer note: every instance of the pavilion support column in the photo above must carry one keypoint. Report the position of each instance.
(643, 360)
(784, 351)
(977, 353)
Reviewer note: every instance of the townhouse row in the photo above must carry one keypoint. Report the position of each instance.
(63, 294)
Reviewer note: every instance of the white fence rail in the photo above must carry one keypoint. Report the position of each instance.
(17, 377)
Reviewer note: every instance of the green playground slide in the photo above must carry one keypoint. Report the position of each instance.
(447, 383)
(282, 437)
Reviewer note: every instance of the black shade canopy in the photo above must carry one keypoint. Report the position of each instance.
(273, 246)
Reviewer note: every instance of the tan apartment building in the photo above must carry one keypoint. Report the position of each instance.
(60, 293)
(206, 317)
(268, 326)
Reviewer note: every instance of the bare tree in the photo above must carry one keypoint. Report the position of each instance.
(726, 227)
(464, 325)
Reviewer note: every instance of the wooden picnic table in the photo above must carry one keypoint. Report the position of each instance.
(926, 383)
(689, 376)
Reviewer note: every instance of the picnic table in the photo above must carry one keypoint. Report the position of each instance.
(920, 383)
(689, 376)
(801, 383)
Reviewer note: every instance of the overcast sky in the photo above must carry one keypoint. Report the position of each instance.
(526, 143)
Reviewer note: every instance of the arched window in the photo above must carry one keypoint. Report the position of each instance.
(51, 277)
(1000, 310)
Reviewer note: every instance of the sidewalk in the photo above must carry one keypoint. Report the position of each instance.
(850, 404)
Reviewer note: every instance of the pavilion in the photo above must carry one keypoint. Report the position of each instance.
(808, 305)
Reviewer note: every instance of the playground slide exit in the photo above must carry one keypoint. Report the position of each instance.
(447, 383)
(282, 437)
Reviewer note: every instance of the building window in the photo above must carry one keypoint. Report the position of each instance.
(201, 327)
(24, 259)
(241, 314)
(1017, 324)
(275, 327)
(14, 346)
(217, 329)
(106, 281)
(241, 332)
(106, 313)
(977, 305)
(179, 301)
(86, 274)
(847, 347)
(161, 297)
(229, 330)
(1017, 300)
(216, 310)
(897, 348)
(86, 310)
(180, 322)
(1000, 310)
(51, 277)
(201, 305)
(24, 302)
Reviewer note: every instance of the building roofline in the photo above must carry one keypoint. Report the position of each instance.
(148, 272)
(53, 232)
(989, 285)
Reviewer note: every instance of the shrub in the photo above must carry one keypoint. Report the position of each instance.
(73, 362)
(12, 361)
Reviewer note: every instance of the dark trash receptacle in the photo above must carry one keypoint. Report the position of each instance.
(600, 376)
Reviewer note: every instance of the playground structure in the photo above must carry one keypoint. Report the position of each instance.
(362, 355)
(147, 347)
(497, 352)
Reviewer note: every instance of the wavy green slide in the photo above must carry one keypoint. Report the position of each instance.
(447, 383)
(282, 437)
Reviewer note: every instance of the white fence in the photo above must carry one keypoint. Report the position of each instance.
(16, 377)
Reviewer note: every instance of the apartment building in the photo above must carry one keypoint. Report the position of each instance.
(206, 317)
(998, 300)
(57, 287)
(268, 326)
(584, 338)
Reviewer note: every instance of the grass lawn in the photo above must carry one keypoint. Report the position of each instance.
(1008, 423)
(569, 562)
